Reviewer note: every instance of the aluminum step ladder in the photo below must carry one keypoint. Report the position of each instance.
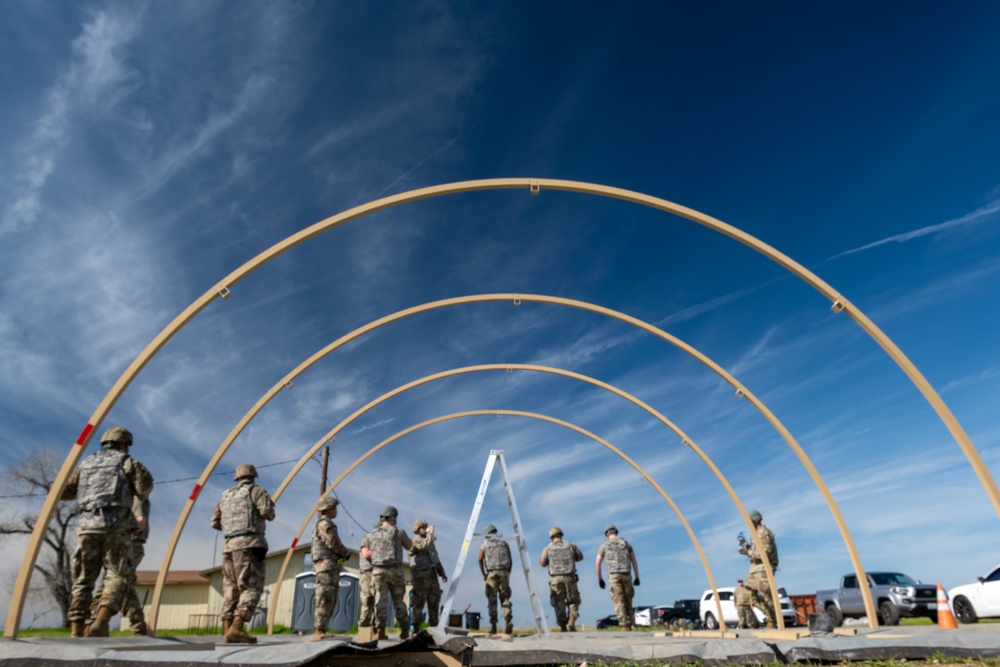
(495, 456)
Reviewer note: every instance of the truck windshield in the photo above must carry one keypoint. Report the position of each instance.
(892, 578)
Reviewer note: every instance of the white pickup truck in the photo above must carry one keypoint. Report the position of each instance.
(893, 593)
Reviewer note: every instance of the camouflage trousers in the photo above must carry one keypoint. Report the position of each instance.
(426, 591)
(620, 588)
(747, 618)
(113, 553)
(498, 588)
(366, 614)
(760, 592)
(242, 582)
(386, 582)
(564, 594)
(131, 607)
(327, 595)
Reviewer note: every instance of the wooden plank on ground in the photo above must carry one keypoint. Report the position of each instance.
(780, 634)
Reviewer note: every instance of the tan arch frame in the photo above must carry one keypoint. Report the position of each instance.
(840, 304)
(287, 381)
(685, 439)
(497, 413)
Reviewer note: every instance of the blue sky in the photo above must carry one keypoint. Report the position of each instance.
(148, 149)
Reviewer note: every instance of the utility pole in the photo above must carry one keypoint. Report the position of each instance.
(326, 462)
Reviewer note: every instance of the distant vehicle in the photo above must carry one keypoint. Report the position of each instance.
(651, 615)
(682, 611)
(707, 610)
(664, 614)
(893, 593)
(607, 622)
(641, 612)
(972, 602)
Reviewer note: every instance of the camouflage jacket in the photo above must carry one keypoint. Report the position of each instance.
(617, 555)
(141, 482)
(770, 548)
(264, 505)
(327, 548)
(561, 558)
(424, 555)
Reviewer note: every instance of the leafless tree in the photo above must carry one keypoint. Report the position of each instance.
(33, 475)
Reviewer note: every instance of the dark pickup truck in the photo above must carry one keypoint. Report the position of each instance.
(682, 611)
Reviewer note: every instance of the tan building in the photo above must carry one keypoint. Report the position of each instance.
(192, 599)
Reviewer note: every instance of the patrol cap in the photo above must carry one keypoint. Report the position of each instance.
(244, 470)
(328, 503)
(418, 524)
(388, 511)
(610, 528)
(489, 529)
(118, 434)
(555, 530)
(755, 516)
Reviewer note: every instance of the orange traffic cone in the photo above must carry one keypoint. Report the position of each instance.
(945, 619)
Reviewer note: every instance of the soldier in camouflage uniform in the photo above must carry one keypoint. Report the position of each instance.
(757, 582)
(425, 568)
(495, 563)
(621, 559)
(105, 486)
(131, 608)
(328, 556)
(241, 515)
(743, 607)
(561, 558)
(385, 549)
(366, 614)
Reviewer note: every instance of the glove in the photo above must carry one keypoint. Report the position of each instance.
(600, 582)
(636, 582)
(744, 551)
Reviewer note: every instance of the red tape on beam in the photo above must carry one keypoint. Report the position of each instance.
(294, 542)
(85, 434)
(195, 492)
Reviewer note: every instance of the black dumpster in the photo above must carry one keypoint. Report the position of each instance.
(472, 620)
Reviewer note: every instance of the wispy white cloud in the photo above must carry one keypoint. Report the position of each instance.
(986, 375)
(984, 212)
(96, 78)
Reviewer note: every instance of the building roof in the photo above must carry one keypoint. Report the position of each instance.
(174, 577)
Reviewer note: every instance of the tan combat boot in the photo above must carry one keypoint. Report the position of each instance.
(140, 629)
(237, 635)
(572, 622)
(321, 634)
(99, 628)
(226, 622)
(77, 628)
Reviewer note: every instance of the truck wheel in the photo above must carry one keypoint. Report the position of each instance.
(888, 614)
(964, 611)
(710, 622)
(836, 614)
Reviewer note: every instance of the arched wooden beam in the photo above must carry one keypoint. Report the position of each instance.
(471, 413)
